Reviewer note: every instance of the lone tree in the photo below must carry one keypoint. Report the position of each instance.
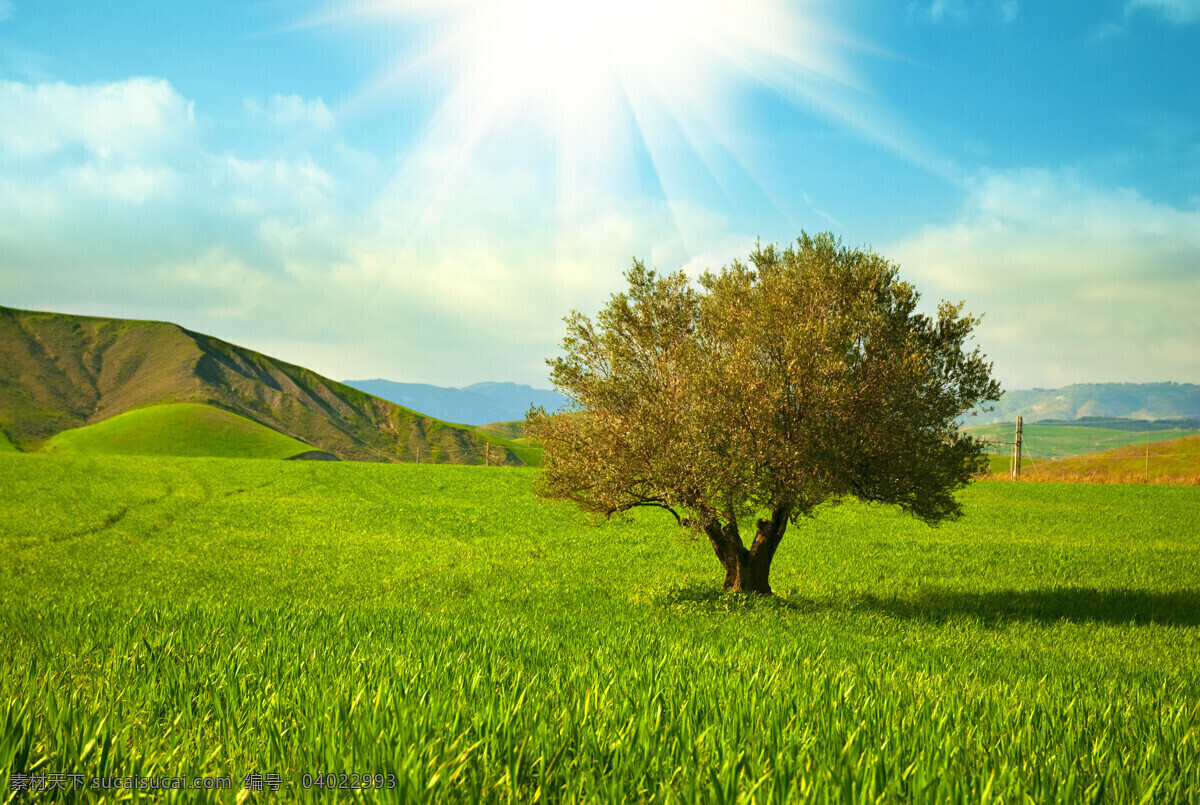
(802, 378)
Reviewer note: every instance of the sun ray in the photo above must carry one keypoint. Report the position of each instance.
(579, 89)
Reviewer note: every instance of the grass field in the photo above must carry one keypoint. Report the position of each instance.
(1048, 442)
(6, 445)
(1172, 462)
(226, 617)
(179, 429)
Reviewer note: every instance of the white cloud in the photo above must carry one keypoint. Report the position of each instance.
(258, 187)
(1178, 11)
(136, 184)
(135, 119)
(290, 112)
(454, 275)
(447, 275)
(222, 285)
(962, 11)
(1078, 283)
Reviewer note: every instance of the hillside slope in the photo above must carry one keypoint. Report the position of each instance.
(60, 371)
(177, 429)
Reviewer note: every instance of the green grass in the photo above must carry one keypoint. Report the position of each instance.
(179, 429)
(6, 445)
(222, 617)
(1044, 442)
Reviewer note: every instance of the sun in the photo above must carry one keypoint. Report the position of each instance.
(597, 91)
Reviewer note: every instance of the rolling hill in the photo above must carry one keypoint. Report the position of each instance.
(59, 372)
(177, 429)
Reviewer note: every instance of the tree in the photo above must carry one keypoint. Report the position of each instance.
(803, 378)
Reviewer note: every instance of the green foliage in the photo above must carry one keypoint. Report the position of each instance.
(179, 429)
(220, 616)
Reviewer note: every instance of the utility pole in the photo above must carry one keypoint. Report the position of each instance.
(1016, 459)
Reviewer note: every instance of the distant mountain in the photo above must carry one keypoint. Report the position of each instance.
(1098, 401)
(59, 371)
(477, 404)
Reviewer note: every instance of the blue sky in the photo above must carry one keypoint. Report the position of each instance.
(420, 190)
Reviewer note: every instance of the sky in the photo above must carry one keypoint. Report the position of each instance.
(421, 190)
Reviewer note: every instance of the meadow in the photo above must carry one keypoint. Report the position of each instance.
(1051, 442)
(437, 626)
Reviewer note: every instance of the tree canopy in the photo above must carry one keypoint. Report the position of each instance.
(803, 377)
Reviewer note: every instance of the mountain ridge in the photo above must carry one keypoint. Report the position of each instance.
(1095, 400)
(477, 404)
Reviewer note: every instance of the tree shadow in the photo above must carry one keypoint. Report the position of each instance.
(992, 607)
(1074, 604)
(701, 597)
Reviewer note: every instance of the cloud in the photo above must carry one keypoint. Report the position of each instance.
(962, 11)
(135, 119)
(1177, 11)
(1078, 283)
(441, 275)
(291, 112)
(453, 274)
(136, 184)
(259, 187)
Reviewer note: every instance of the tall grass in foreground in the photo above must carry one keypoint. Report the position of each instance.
(221, 617)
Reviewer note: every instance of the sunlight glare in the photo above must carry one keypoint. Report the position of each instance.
(593, 89)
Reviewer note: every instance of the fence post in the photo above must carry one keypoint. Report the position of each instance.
(1016, 459)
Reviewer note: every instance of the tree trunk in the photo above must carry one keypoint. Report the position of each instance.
(749, 570)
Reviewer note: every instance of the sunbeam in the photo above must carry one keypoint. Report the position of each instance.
(613, 98)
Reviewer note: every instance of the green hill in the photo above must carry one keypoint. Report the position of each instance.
(1041, 441)
(177, 429)
(6, 446)
(59, 372)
